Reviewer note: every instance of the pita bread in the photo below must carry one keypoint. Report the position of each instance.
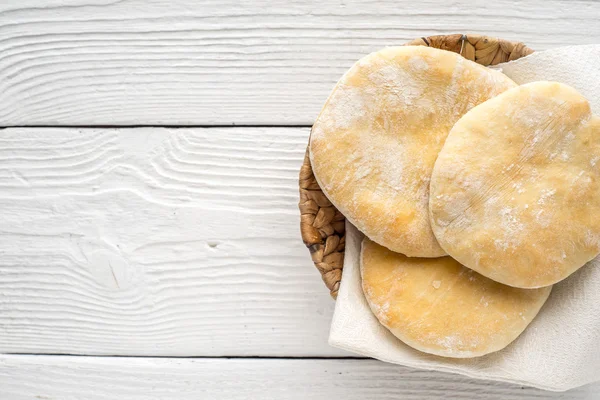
(515, 192)
(437, 306)
(375, 142)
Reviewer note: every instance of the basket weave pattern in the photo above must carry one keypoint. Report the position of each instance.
(321, 224)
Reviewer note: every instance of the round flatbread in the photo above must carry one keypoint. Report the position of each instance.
(437, 306)
(515, 192)
(375, 142)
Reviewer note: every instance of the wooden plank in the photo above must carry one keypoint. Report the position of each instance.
(156, 241)
(93, 378)
(155, 62)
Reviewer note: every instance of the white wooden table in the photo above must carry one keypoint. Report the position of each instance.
(149, 240)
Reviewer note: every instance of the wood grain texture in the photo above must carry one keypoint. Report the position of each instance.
(156, 241)
(156, 62)
(94, 378)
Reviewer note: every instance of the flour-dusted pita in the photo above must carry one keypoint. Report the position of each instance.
(515, 192)
(375, 142)
(437, 306)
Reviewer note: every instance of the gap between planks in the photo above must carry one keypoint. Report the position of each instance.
(188, 357)
(151, 126)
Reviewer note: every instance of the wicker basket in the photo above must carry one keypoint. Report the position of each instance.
(321, 224)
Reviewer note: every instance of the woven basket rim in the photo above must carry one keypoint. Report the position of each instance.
(322, 226)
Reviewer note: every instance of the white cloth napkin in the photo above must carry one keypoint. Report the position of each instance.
(576, 66)
(560, 350)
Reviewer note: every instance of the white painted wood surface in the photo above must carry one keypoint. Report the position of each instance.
(54, 377)
(151, 241)
(156, 62)
(185, 242)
